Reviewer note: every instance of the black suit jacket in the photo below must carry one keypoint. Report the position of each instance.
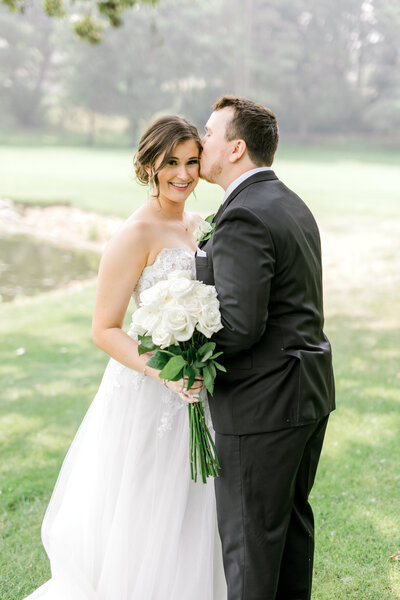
(264, 259)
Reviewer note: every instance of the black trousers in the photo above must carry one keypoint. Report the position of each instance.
(264, 518)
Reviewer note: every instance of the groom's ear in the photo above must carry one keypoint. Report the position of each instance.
(238, 150)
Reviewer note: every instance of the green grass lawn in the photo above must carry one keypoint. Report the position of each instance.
(46, 390)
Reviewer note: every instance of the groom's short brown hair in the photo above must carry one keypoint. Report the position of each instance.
(253, 123)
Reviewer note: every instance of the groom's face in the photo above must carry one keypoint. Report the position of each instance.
(216, 149)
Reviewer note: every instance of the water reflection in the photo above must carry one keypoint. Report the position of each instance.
(29, 266)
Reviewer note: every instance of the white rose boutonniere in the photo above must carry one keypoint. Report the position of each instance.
(205, 229)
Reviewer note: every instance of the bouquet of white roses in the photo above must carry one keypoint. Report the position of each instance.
(174, 320)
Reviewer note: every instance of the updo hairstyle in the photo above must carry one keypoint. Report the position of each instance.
(162, 136)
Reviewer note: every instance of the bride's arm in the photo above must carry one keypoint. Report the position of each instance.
(121, 265)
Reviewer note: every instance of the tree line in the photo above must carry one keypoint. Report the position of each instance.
(323, 67)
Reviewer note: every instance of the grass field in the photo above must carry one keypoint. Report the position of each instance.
(46, 390)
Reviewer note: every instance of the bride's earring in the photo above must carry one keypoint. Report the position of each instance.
(150, 181)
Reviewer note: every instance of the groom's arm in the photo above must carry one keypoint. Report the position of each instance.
(244, 264)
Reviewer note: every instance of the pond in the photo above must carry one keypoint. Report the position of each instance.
(29, 266)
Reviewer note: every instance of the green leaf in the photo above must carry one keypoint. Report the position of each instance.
(144, 349)
(216, 355)
(206, 349)
(219, 367)
(207, 356)
(213, 370)
(174, 350)
(191, 374)
(208, 380)
(191, 354)
(159, 360)
(178, 376)
(199, 364)
(210, 218)
(197, 371)
(146, 344)
(173, 368)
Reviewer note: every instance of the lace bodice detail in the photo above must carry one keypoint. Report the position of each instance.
(169, 259)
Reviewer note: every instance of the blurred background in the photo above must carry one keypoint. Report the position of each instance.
(76, 93)
(328, 69)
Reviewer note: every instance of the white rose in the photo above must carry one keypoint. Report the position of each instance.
(179, 273)
(161, 337)
(201, 230)
(155, 295)
(209, 321)
(137, 324)
(192, 304)
(205, 292)
(137, 328)
(211, 304)
(180, 287)
(178, 322)
(144, 320)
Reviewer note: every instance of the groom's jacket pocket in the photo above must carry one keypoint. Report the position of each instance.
(201, 261)
(204, 270)
(315, 385)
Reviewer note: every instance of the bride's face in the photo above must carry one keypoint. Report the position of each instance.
(180, 175)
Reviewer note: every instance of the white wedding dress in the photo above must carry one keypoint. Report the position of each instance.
(125, 521)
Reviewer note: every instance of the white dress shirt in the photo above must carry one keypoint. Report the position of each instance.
(241, 178)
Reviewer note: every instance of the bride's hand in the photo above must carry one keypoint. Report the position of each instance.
(180, 387)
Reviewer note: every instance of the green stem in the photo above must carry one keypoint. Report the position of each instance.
(192, 474)
(201, 445)
(200, 448)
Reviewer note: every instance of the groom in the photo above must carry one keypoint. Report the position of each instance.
(270, 409)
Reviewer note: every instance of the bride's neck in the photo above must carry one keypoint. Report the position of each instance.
(169, 210)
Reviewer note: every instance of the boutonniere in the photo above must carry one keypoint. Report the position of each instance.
(205, 229)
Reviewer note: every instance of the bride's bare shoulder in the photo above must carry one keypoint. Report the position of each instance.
(133, 239)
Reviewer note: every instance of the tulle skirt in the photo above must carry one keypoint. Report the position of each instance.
(125, 521)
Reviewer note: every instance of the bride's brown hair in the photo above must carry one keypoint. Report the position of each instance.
(162, 136)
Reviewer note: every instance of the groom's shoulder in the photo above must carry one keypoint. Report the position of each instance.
(268, 195)
(274, 203)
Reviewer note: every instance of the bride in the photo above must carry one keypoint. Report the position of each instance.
(125, 521)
